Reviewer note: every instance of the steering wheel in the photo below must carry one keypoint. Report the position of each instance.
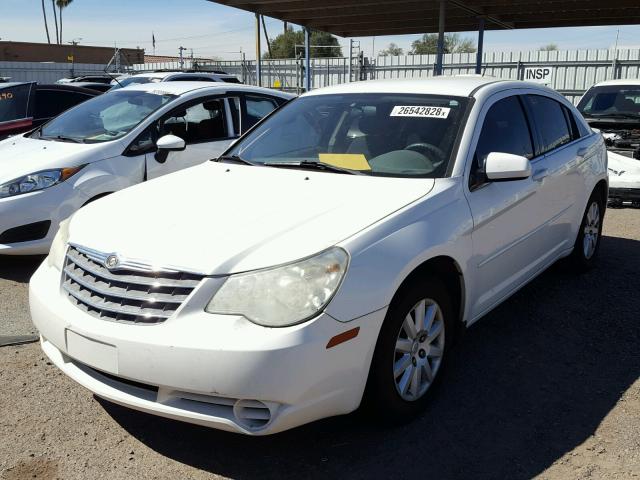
(423, 147)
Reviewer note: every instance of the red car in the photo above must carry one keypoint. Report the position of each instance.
(24, 106)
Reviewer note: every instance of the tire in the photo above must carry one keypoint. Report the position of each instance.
(384, 395)
(587, 246)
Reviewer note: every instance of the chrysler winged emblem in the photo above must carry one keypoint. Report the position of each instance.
(111, 261)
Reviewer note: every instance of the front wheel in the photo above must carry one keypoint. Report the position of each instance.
(587, 244)
(411, 351)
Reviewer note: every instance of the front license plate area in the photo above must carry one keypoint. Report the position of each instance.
(92, 352)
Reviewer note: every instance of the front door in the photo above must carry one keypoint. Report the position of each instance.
(508, 232)
(206, 127)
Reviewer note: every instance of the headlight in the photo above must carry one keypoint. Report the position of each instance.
(37, 181)
(59, 246)
(285, 295)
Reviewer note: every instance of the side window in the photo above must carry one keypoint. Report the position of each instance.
(550, 121)
(51, 103)
(145, 142)
(202, 122)
(257, 108)
(505, 129)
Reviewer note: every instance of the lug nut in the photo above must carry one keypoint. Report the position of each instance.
(414, 361)
(422, 353)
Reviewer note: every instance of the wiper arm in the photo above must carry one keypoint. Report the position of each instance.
(313, 164)
(233, 158)
(614, 115)
(62, 138)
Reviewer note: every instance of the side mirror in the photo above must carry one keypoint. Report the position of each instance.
(170, 143)
(500, 166)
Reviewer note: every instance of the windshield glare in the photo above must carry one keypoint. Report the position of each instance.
(611, 101)
(107, 117)
(377, 134)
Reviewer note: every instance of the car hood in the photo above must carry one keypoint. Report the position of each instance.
(20, 155)
(624, 172)
(220, 218)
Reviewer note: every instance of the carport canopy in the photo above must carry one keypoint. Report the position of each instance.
(359, 18)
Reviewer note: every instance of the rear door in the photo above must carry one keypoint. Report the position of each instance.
(558, 156)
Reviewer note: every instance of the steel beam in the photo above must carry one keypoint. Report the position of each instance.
(480, 45)
(307, 58)
(441, 25)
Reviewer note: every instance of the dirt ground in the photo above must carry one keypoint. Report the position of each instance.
(545, 386)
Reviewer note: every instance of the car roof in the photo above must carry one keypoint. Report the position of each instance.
(623, 81)
(459, 85)
(180, 88)
(167, 74)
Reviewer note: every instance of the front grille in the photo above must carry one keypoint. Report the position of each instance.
(135, 293)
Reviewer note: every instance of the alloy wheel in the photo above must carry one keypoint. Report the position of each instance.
(419, 349)
(591, 230)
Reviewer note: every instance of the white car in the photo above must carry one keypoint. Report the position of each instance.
(330, 257)
(114, 141)
(614, 108)
(157, 77)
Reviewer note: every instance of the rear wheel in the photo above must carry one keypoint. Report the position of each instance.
(587, 246)
(411, 351)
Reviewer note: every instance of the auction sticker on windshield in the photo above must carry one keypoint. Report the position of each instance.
(420, 111)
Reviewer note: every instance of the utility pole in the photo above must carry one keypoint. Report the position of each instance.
(181, 49)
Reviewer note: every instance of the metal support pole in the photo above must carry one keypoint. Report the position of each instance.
(307, 58)
(480, 45)
(258, 54)
(441, 23)
(350, 59)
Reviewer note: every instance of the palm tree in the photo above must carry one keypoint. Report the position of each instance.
(46, 25)
(55, 20)
(62, 4)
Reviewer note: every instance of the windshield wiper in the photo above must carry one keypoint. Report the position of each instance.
(62, 138)
(313, 164)
(233, 158)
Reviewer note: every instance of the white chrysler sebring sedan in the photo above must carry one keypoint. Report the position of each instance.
(329, 258)
(114, 141)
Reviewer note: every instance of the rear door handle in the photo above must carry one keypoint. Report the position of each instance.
(582, 152)
(539, 174)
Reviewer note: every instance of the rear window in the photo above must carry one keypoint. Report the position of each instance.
(14, 102)
(230, 80)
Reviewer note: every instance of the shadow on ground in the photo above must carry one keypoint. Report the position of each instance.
(530, 382)
(19, 268)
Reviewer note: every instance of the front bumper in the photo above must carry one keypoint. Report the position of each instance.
(54, 204)
(214, 370)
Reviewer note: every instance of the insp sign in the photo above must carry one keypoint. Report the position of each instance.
(538, 74)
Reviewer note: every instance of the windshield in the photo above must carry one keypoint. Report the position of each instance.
(133, 80)
(375, 134)
(611, 101)
(104, 118)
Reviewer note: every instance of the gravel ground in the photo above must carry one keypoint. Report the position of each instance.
(547, 385)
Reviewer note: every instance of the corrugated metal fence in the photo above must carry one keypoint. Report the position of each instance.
(573, 71)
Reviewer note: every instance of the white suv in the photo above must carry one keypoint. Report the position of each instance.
(156, 77)
(331, 255)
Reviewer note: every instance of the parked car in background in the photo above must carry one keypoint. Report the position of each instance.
(95, 78)
(26, 105)
(329, 257)
(613, 107)
(100, 87)
(114, 141)
(156, 77)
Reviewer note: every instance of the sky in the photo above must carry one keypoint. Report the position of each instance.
(216, 30)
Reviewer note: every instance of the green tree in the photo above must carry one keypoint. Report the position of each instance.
(550, 47)
(392, 50)
(283, 46)
(453, 43)
(62, 4)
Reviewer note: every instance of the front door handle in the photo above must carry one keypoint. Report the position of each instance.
(539, 174)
